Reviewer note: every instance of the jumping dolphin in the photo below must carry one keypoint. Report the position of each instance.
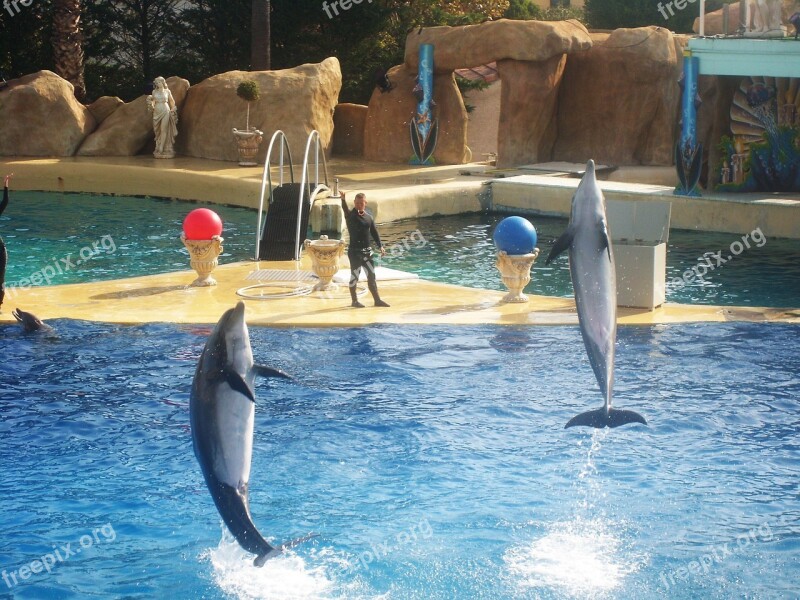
(222, 411)
(31, 322)
(591, 265)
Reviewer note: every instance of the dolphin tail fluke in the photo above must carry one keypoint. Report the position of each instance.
(619, 417)
(275, 551)
(599, 418)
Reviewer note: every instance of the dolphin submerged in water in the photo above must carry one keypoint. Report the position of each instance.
(591, 265)
(222, 412)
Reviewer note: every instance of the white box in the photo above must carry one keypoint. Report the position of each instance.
(640, 231)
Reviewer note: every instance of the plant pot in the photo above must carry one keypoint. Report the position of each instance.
(515, 270)
(325, 256)
(247, 142)
(203, 256)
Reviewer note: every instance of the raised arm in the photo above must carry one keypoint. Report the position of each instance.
(4, 203)
(344, 204)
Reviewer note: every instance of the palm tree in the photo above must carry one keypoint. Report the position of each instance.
(68, 44)
(260, 36)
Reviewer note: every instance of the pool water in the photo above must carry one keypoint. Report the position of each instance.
(431, 461)
(110, 237)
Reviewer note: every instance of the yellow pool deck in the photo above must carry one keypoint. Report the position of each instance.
(169, 298)
(394, 192)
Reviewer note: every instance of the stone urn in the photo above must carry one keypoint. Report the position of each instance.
(248, 141)
(203, 256)
(515, 270)
(325, 256)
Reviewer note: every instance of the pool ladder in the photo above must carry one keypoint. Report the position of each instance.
(306, 195)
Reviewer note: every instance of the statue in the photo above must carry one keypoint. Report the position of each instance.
(165, 118)
(767, 16)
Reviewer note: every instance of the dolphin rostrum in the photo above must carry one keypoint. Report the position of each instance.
(222, 412)
(591, 265)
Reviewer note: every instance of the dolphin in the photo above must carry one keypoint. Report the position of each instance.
(591, 265)
(222, 411)
(30, 322)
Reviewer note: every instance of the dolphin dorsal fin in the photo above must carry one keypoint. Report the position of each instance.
(562, 243)
(237, 382)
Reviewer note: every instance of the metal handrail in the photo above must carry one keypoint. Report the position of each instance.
(306, 185)
(266, 177)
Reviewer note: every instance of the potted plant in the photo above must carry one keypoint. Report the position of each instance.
(248, 140)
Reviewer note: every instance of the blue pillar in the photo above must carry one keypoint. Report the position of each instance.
(424, 129)
(691, 67)
(688, 153)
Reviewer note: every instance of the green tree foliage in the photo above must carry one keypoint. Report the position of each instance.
(611, 14)
(523, 10)
(127, 43)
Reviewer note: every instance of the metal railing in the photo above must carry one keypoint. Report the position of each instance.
(266, 178)
(305, 184)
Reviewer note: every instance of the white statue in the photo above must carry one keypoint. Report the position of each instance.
(165, 118)
(766, 15)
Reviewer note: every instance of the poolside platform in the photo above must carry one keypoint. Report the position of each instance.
(396, 192)
(169, 298)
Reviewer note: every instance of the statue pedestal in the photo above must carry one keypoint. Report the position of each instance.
(203, 258)
(247, 142)
(325, 256)
(515, 270)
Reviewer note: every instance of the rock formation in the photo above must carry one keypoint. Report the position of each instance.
(619, 101)
(532, 57)
(296, 101)
(473, 45)
(39, 116)
(129, 129)
(386, 133)
(348, 129)
(102, 108)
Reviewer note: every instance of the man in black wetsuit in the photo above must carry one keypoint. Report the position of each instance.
(360, 226)
(3, 253)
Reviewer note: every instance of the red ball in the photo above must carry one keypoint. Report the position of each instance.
(202, 224)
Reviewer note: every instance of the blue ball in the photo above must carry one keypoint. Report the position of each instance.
(515, 235)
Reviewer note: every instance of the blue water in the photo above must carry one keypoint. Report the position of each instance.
(432, 462)
(71, 238)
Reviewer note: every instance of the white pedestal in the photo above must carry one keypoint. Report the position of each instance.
(641, 274)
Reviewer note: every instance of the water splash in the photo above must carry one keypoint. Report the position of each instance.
(284, 577)
(581, 558)
(586, 556)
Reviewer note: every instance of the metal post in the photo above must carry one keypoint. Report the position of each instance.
(702, 31)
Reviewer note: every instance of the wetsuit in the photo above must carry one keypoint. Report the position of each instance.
(3, 253)
(361, 227)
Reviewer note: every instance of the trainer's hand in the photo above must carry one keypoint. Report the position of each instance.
(7, 179)
(383, 251)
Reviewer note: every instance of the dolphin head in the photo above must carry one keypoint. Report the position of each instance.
(230, 345)
(29, 321)
(588, 201)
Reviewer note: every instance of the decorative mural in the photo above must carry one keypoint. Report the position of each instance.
(424, 127)
(762, 154)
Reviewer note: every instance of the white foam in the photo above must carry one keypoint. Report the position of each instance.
(580, 558)
(288, 576)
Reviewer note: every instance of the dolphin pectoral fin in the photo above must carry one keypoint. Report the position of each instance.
(562, 243)
(265, 371)
(605, 240)
(237, 382)
(273, 552)
(599, 418)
